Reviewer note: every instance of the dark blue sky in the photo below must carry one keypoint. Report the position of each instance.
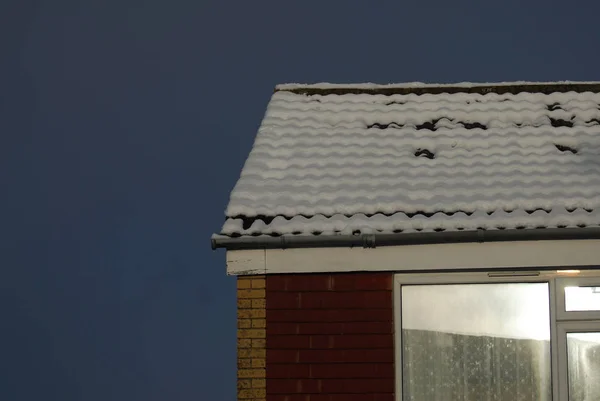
(124, 125)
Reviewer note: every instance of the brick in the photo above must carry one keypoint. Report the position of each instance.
(346, 300)
(288, 371)
(289, 397)
(321, 356)
(252, 353)
(283, 386)
(274, 329)
(259, 323)
(378, 299)
(244, 323)
(320, 300)
(347, 356)
(344, 281)
(285, 316)
(343, 328)
(299, 282)
(251, 333)
(324, 315)
(259, 303)
(244, 343)
(251, 313)
(352, 371)
(259, 383)
(259, 343)
(259, 283)
(251, 277)
(368, 328)
(293, 386)
(309, 386)
(382, 397)
(283, 300)
(252, 393)
(258, 363)
(244, 352)
(365, 341)
(329, 397)
(321, 342)
(250, 294)
(243, 284)
(277, 282)
(374, 281)
(352, 397)
(320, 328)
(363, 386)
(244, 383)
(310, 282)
(349, 341)
(288, 342)
(251, 373)
(362, 281)
(244, 304)
(281, 356)
(244, 363)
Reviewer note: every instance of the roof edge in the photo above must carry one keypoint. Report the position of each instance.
(419, 88)
(375, 240)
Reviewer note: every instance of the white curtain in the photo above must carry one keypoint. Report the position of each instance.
(583, 350)
(439, 366)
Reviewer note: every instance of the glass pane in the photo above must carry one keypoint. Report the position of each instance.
(582, 298)
(583, 350)
(480, 342)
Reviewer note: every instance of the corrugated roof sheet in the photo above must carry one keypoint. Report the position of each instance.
(413, 157)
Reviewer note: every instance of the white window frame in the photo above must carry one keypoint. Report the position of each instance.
(561, 321)
(564, 328)
(582, 280)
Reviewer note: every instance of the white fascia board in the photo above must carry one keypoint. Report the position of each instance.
(246, 262)
(466, 256)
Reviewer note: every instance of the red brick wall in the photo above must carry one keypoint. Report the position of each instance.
(330, 337)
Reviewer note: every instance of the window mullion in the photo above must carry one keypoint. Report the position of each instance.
(554, 343)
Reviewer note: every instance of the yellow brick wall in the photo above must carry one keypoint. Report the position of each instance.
(251, 338)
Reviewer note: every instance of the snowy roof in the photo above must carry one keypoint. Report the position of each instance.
(345, 159)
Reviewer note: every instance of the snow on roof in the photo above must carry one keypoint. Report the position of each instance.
(417, 157)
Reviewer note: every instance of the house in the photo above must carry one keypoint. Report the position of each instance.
(420, 242)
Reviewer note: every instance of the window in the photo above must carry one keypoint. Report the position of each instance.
(584, 298)
(579, 297)
(498, 336)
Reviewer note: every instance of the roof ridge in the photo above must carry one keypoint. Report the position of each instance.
(419, 88)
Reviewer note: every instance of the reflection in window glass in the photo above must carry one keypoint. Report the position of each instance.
(476, 342)
(583, 350)
(582, 298)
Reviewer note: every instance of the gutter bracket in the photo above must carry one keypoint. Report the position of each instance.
(480, 235)
(368, 241)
